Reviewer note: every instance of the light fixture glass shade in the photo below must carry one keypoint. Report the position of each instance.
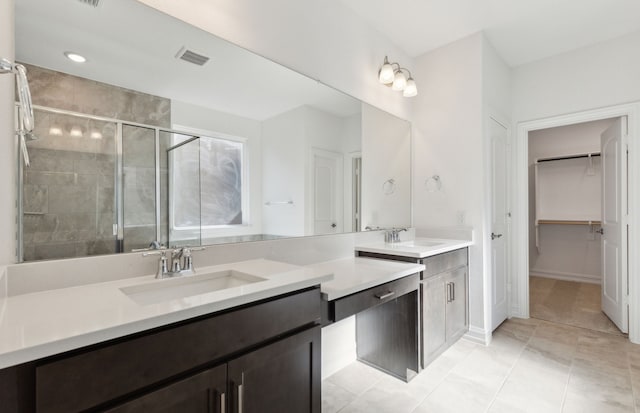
(76, 132)
(385, 75)
(410, 89)
(399, 81)
(55, 131)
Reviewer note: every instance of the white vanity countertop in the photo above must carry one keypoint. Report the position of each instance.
(354, 274)
(418, 248)
(50, 322)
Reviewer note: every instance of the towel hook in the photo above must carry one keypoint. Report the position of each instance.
(433, 183)
(389, 186)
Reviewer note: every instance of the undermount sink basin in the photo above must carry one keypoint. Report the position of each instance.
(420, 243)
(187, 286)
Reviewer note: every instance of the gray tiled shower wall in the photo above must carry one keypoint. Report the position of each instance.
(69, 190)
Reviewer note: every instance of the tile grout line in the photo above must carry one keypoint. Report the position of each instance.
(506, 377)
(444, 377)
(633, 388)
(566, 386)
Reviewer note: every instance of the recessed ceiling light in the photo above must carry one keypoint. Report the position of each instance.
(75, 57)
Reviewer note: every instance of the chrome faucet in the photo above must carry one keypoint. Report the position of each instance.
(177, 267)
(393, 235)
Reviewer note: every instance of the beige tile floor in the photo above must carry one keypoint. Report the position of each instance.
(530, 366)
(567, 302)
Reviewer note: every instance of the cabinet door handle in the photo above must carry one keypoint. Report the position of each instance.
(223, 402)
(385, 295)
(241, 394)
(449, 293)
(453, 291)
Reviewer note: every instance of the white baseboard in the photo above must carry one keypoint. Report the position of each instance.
(478, 335)
(566, 276)
(517, 313)
(334, 365)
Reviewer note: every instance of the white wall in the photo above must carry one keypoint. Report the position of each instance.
(185, 116)
(326, 41)
(284, 173)
(288, 141)
(386, 155)
(497, 83)
(7, 142)
(566, 251)
(448, 136)
(566, 140)
(597, 76)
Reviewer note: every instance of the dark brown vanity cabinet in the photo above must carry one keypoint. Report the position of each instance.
(387, 328)
(444, 299)
(262, 357)
(275, 378)
(279, 377)
(204, 392)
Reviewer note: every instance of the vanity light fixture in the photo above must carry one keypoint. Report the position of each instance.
(76, 132)
(96, 134)
(410, 90)
(392, 74)
(55, 131)
(385, 74)
(75, 57)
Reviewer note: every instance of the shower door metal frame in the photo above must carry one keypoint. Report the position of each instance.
(118, 173)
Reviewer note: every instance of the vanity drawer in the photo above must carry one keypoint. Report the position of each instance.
(91, 377)
(444, 262)
(355, 303)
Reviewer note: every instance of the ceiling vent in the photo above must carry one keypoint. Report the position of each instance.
(191, 57)
(92, 3)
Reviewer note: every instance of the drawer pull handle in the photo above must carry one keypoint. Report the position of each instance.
(385, 295)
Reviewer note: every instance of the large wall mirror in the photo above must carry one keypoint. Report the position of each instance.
(167, 133)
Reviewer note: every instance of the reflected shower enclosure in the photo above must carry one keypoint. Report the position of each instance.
(68, 192)
(99, 186)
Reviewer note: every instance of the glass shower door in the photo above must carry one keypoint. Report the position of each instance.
(183, 189)
(139, 201)
(68, 192)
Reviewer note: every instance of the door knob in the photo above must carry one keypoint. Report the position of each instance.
(600, 231)
(333, 225)
(494, 236)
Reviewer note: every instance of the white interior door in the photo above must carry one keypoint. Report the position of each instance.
(614, 225)
(327, 192)
(499, 223)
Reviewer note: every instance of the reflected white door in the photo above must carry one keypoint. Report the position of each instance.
(499, 223)
(327, 192)
(614, 225)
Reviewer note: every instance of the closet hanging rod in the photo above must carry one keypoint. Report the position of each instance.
(561, 158)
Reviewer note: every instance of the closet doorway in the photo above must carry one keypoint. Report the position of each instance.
(577, 229)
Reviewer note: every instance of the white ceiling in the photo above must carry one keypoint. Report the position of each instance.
(521, 30)
(133, 46)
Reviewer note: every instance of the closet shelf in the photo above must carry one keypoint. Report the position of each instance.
(567, 222)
